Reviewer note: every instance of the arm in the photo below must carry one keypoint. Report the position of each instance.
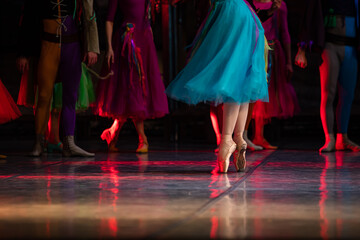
(110, 51)
(91, 33)
(112, 8)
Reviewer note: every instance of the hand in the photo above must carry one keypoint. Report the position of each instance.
(110, 57)
(289, 71)
(276, 4)
(90, 58)
(300, 58)
(22, 64)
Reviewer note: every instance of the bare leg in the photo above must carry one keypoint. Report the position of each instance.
(239, 154)
(240, 124)
(54, 143)
(250, 144)
(329, 72)
(259, 134)
(143, 142)
(215, 123)
(227, 145)
(54, 127)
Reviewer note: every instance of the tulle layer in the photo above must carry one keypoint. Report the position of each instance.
(8, 109)
(228, 62)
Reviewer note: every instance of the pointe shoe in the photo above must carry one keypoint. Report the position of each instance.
(38, 148)
(143, 147)
(72, 150)
(346, 144)
(239, 157)
(54, 147)
(225, 151)
(265, 144)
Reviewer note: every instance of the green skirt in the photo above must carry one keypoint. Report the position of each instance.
(86, 95)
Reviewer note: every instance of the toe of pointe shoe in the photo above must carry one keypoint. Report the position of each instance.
(239, 158)
(225, 152)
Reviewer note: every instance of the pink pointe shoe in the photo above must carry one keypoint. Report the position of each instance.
(239, 157)
(226, 148)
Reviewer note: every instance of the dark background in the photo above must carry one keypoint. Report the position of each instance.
(185, 123)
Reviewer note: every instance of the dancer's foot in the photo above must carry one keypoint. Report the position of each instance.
(263, 143)
(38, 148)
(106, 136)
(112, 148)
(111, 138)
(72, 150)
(54, 147)
(250, 144)
(344, 143)
(239, 157)
(2, 156)
(143, 147)
(226, 148)
(329, 145)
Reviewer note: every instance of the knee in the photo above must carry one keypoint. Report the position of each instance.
(44, 98)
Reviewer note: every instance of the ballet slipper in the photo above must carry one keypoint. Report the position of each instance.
(344, 143)
(329, 145)
(250, 144)
(263, 143)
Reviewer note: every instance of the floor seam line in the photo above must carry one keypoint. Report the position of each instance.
(23, 174)
(209, 203)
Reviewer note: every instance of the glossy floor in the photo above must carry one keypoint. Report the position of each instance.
(179, 194)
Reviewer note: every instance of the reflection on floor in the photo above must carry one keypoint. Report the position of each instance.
(179, 194)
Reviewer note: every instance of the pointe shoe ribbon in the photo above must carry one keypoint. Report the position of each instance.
(226, 148)
(239, 157)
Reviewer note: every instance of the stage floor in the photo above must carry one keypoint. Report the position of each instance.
(179, 194)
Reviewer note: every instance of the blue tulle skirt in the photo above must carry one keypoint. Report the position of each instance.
(228, 59)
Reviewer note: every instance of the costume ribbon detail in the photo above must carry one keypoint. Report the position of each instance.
(133, 55)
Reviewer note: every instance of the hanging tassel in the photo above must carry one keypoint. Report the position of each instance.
(133, 56)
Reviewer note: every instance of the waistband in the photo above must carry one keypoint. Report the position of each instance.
(59, 38)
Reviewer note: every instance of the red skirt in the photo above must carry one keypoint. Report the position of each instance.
(8, 109)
